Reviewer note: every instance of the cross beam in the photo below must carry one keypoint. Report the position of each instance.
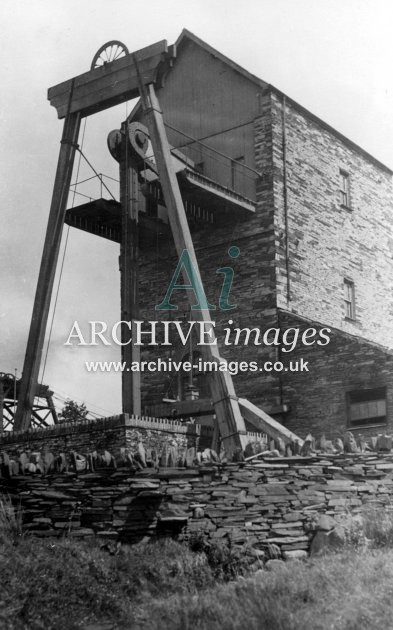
(113, 83)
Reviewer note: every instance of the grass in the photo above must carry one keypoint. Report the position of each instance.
(377, 525)
(65, 583)
(346, 591)
(166, 585)
(10, 522)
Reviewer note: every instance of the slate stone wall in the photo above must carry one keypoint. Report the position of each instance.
(110, 434)
(329, 242)
(317, 399)
(269, 504)
(118, 434)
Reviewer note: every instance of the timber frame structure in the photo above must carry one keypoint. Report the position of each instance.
(130, 76)
(43, 411)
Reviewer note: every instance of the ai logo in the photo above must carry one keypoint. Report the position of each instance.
(185, 265)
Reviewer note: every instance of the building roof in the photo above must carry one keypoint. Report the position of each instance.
(187, 35)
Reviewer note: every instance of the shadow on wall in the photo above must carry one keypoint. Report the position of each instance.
(147, 514)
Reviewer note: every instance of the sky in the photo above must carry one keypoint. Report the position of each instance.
(334, 57)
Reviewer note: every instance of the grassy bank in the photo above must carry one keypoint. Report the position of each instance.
(165, 585)
(343, 591)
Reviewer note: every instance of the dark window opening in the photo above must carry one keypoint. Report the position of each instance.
(367, 406)
(349, 299)
(345, 189)
(151, 207)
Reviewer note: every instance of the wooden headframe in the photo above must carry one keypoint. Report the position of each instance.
(126, 78)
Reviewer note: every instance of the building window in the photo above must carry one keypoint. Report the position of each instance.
(349, 299)
(367, 406)
(344, 189)
(151, 207)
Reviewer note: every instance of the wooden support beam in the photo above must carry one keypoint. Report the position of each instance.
(263, 422)
(39, 420)
(185, 408)
(51, 407)
(129, 274)
(231, 424)
(1, 405)
(110, 84)
(9, 408)
(47, 272)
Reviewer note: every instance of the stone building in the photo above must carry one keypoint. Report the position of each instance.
(310, 212)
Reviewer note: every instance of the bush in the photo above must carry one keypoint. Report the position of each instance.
(226, 560)
(73, 412)
(372, 527)
(378, 525)
(164, 566)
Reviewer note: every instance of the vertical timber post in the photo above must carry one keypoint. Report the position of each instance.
(47, 272)
(230, 421)
(1, 406)
(52, 407)
(129, 275)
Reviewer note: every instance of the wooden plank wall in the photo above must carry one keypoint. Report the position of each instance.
(203, 97)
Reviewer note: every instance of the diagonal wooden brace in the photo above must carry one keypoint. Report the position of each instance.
(47, 272)
(229, 418)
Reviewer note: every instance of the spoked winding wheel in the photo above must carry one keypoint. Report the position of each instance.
(109, 52)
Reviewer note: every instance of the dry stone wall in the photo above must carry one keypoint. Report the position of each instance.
(109, 434)
(163, 441)
(273, 505)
